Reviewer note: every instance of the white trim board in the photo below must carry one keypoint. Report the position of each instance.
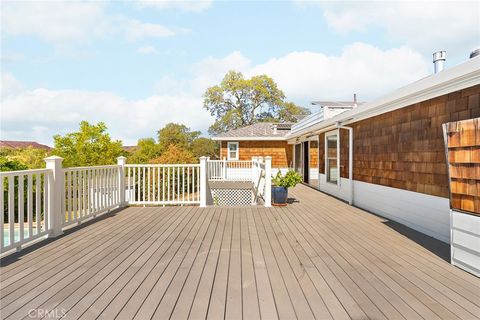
(465, 244)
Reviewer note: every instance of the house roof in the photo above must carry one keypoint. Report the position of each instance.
(256, 131)
(449, 80)
(22, 145)
(336, 103)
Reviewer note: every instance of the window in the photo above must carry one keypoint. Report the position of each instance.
(331, 163)
(232, 151)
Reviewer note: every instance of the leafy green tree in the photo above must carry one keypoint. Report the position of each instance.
(176, 134)
(175, 155)
(205, 147)
(31, 157)
(7, 164)
(90, 146)
(146, 150)
(237, 102)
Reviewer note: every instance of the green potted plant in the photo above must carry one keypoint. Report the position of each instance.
(280, 185)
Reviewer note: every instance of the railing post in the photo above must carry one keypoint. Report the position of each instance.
(203, 181)
(121, 161)
(268, 182)
(56, 186)
(224, 169)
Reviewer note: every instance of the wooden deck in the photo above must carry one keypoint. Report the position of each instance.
(316, 258)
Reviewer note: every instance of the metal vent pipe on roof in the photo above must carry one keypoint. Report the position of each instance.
(274, 127)
(474, 53)
(439, 60)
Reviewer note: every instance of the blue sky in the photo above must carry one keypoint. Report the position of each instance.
(139, 65)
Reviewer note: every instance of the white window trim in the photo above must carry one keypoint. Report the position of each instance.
(327, 134)
(228, 151)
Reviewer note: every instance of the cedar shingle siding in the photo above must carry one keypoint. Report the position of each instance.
(280, 151)
(404, 148)
(464, 164)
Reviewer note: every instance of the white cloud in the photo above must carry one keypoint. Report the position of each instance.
(55, 21)
(75, 22)
(48, 112)
(136, 30)
(303, 76)
(424, 25)
(210, 71)
(195, 6)
(146, 50)
(361, 68)
(10, 85)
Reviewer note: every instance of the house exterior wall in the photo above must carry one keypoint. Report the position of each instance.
(280, 151)
(399, 167)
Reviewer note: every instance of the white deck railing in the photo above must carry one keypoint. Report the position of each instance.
(262, 178)
(42, 203)
(24, 199)
(231, 170)
(90, 191)
(163, 183)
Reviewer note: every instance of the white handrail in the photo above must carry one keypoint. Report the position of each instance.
(229, 170)
(25, 207)
(162, 184)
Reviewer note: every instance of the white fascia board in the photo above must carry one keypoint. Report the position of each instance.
(249, 138)
(450, 80)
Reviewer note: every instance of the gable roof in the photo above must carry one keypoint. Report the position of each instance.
(256, 131)
(22, 145)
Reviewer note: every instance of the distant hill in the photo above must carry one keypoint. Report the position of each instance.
(22, 145)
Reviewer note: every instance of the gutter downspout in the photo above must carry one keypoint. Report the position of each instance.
(350, 159)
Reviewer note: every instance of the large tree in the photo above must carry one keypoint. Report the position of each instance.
(91, 145)
(146, 150)
(237, 102)
(176, 134)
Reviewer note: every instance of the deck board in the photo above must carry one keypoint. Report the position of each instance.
(317, 258)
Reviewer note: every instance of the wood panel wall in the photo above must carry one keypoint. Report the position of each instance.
(404, 148)
(280, 151)
(463, 145)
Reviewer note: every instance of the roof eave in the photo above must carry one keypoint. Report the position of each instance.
(457, 78)
(253, 138)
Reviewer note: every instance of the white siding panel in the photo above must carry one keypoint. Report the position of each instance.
(466, 242)
(425, 213)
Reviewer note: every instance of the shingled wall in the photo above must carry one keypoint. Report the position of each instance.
(463, 145)
(404, 148)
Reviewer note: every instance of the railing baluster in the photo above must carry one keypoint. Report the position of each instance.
(37, 202)
(21, 212)
(45, 202)
(11, 208)
(29, 205)
(2, 205)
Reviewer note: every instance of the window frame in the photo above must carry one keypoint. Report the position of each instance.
(237, 151)
(327, 172)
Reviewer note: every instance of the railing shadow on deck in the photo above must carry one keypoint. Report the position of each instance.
(435, 246)
(16, 256)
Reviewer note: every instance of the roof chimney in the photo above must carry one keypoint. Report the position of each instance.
(439, 61)
(474, 53)
(354, 100)
(274, 127)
